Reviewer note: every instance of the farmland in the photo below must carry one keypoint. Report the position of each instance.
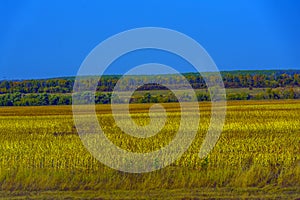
(258, 153)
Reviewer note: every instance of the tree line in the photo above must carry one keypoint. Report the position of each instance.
(276, 84)
(254, 79)
(19, 99)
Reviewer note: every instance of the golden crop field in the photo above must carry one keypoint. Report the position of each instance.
(258, 153)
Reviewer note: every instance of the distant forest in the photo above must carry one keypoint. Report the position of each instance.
(278, 84)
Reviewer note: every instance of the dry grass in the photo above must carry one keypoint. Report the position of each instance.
(259, 147)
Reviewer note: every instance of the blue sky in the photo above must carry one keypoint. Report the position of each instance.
(40, 39)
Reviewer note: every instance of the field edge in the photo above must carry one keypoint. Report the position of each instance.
(202, 193)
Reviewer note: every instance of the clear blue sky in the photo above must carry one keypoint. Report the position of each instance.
(41, 39)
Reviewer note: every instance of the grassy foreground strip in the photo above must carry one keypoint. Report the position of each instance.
(201, 193)
(257, 155)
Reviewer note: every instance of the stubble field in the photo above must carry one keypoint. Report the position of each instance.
(257, 155)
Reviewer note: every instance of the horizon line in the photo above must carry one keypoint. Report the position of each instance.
(73, 76)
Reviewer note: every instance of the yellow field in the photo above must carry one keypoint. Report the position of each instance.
(259, 147)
